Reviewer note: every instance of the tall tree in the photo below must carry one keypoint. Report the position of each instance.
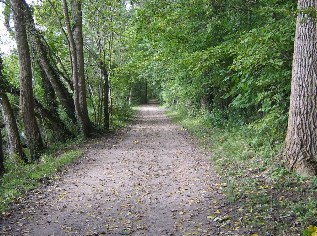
(11, 127)
(42, 53)
(32, 131)
(300, 150)
(75, 37)
(2, 169)
(9, 118)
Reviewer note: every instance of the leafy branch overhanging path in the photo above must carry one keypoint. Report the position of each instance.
(153, 180)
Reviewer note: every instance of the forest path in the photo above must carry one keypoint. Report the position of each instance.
(152, 180)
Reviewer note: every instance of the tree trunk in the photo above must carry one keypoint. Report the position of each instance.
(33, 135)
(54, 123)
(78, 85)
(130, 95)
(300, 150)
(63, 95)
(105, 96)
(79, 43)
(49, 93)
(146, 93)
(2, 169)
(42, 53)
(11, 127)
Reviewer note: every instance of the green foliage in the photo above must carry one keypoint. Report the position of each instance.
(122, 113)
(228, 55)
(310, 231)
(21, 178)
(270, 199)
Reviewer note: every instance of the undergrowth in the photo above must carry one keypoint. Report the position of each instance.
(271, 200)
(21, 178)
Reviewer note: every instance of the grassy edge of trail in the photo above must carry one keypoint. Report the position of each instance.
(271, 200)
(21, 178)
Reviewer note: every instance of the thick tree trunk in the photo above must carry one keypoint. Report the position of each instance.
(2, 169)
(78, 84)
(32, 131)
(300, 150)
(11, 127)
(42, 52)
(63, 95)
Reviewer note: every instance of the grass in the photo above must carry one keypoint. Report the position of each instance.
(272, 201)
(21, 178)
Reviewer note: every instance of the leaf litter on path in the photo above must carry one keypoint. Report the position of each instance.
(151, 179)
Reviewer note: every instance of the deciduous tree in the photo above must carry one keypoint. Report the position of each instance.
(75, 38)
(32, 131)
(300, 150)
(1, 153)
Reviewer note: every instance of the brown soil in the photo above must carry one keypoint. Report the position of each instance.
(151, 180)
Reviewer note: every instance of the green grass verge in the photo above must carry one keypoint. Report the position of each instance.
(21, 178)
(271, 200)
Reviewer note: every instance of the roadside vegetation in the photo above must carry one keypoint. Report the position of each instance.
(270, 198)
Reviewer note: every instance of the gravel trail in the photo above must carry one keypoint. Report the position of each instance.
(151, 180)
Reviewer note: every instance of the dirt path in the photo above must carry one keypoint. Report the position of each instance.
(152, 181)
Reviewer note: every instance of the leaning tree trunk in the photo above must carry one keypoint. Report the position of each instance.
(300, 150)
(33, 135)
(42, 52)
(11, 127)
(61, 132)
(2, 169)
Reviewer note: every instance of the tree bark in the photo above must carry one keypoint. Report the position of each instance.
(104, 73)
(49, 93)
(42, 53)
(54, 123)
(2, 169)
(130, 95)
(79, 44)
(11, 127)
(77, 70)
(63, 95)
(33, 135)
(300, 150)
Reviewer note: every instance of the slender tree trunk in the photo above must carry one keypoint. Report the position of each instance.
(106, 96)
(130, 95)
(34, 139)
(146, 93)
(300, 150)
(79, 44)
(11, 127)
(49, 93)
(84, 123)
(2, 169)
